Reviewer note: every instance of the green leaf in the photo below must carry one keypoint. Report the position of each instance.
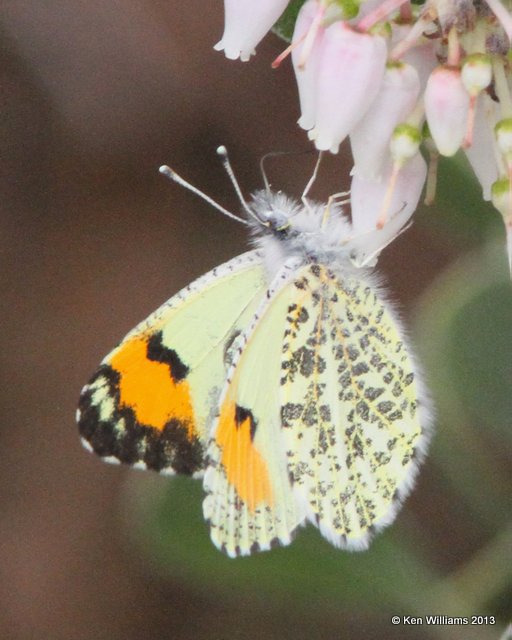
(167, 518)
(285, 25)
(464, 330)
(459, 210)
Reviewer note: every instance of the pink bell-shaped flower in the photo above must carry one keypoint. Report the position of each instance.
(446, 108)
(350, 70)
(305, 57)
(482, 153)
(367, 197)
(371, 136)
(245, 23)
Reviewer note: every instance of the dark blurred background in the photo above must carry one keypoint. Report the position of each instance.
(94, 97)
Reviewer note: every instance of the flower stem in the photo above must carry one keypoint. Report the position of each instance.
(406, 14)
(501, 87)
(307, 38)
(383, 216)
(433, 163)
(468, 138)
(383, 10)
(453, 48)
(479, 37)
(414, 34)
(502, 14)
(284, 54)
(311, 37)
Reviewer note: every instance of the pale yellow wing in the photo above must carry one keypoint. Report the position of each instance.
(250, 503)
(152, 400)
(349, 397)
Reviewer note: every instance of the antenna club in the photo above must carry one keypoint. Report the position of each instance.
(222, 151)
(171, 174)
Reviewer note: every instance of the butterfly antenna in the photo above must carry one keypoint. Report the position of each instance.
(313, 178)
(270, 154)
(263, 172)
(274, 154)
(172, 175)
(223, 153)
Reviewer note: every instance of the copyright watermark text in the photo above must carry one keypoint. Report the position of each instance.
(443, 620)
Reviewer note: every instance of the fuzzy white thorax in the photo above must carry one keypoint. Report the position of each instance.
(316, 232)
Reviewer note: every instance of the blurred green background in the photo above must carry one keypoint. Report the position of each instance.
(93, 99)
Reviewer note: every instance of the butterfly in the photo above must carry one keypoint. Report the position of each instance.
(282, 378)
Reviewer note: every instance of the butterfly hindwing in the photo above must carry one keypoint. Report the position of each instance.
(349, 402)
(249, 502)
(153, 397)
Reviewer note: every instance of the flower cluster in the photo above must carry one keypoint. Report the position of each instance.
(390, 76)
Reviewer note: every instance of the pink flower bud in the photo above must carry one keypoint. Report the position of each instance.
(502, 197)
(371, 136)
(350, 70)
(368, 196)
(502, 200)
(477, 73)
(405, 143)
(305, 58)
(245, 23)
(482, 153)
(503, 132)
(446, 108)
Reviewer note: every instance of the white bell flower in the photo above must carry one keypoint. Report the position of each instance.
(367, 197)
(395, 100)
(308, 35)
(446, 109)
(483, 154)
(245, 24)
(350, 70)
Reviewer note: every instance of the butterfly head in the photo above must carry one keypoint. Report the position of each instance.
(313, 231)
(283, 227)
(274, 213)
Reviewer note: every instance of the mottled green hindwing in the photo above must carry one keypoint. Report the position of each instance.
(349, 406)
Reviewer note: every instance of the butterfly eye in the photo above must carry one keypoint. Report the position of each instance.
(284, 227)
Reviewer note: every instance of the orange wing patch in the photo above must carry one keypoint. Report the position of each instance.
(137, 409)
(150, 387)
(245, 468)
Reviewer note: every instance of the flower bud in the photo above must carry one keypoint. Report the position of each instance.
(501, 193)
(476, 73)
(446, 108)
(503, 132)
(405, 143)
(245, 23)
(350, 70)
(502, 200)
(344, 9)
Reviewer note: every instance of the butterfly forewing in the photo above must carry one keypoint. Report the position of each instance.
(249, 503)
(153, 397)
(349, 407)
